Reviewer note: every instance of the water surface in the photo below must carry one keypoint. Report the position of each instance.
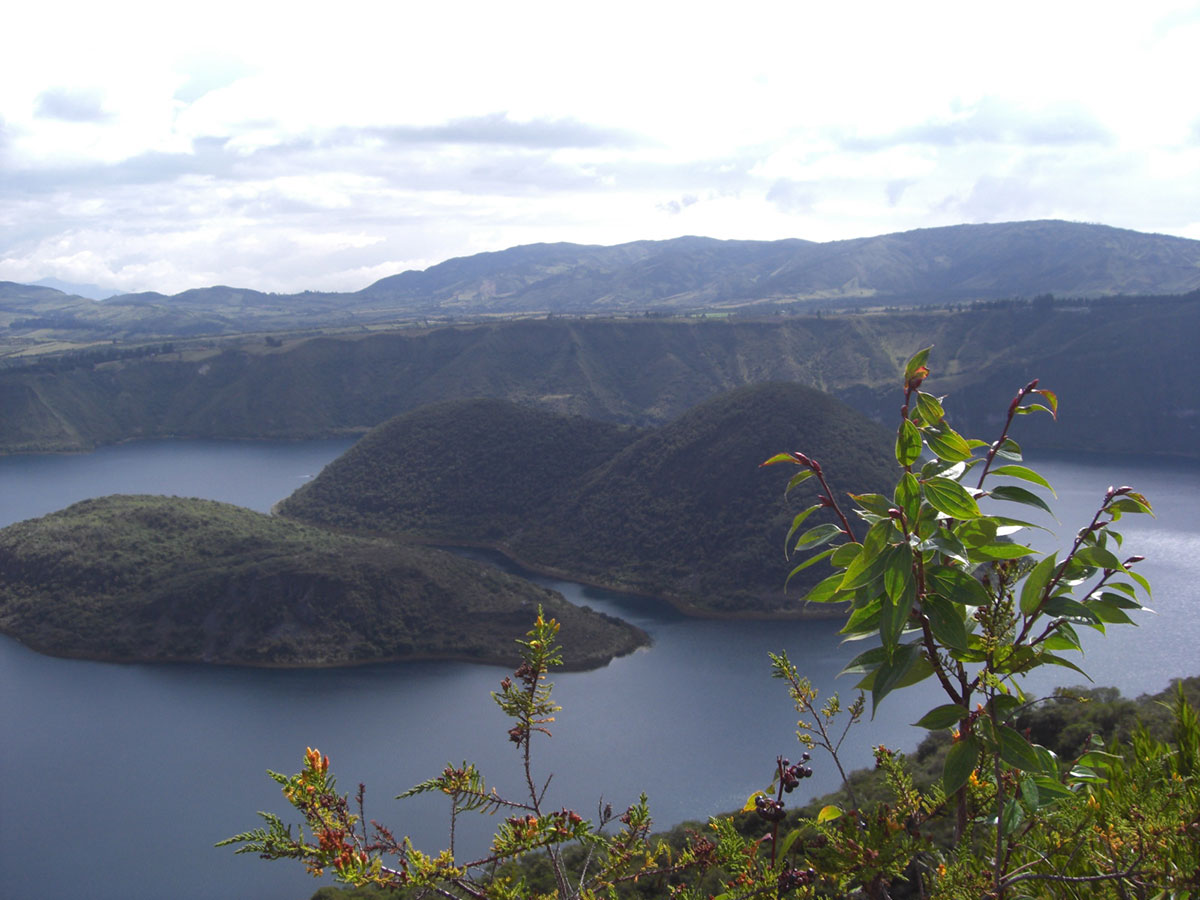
(127, 774)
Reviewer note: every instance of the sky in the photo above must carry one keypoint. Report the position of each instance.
(303, 146)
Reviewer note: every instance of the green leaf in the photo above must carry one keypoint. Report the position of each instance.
(946, 622)
(1100, 558)
(945, 716)
(1014, 494)
(789, 839)
(1062, 638)
(1068, 608)
(947, 444)
(1120, 601)
(1107, 612)
(1032, 407)
(826, 591)
(845, 554)
(929, 408)
(915, 362)
(752, 801)
(1051, 399)
(957, 586)
(866, 662)
(829, 813)
(976, 532)
(816, 536)
(897, 571)
(1140, 579)
(1029, 792)
(908, 444)
(950, 498)
(863, 621)
(1013, 816)
(808, 562)
(798, 521)
(1025, 474)
(892, 618)
(1051, 789)
(1065, 663)
(798, 478)
(908, 498)
(873, 503)
(1130, 505)
(1016, 751)
(1035, 583)
(780, 458)
(1000, 551)
(1003, 704)
(868, 565)
(892, 673)
(960, 763)
(1010, 449)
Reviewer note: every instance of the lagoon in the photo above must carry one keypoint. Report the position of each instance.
(120, 778)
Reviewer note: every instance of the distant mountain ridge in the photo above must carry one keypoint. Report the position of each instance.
(958, 263)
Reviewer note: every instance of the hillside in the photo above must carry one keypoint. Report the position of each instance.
(681, 511)
(463, 470)
(140, 578)
(956, 264)
(1130, 354)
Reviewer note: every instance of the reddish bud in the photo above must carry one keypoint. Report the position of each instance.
(917, 378)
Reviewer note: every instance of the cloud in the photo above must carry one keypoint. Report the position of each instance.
(993, 121)
(209, 73)
(498, 129)
(791, 196)
(675, 207)
(71, 105)
(895, 189)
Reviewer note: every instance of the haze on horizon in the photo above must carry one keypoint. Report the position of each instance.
(152, 147)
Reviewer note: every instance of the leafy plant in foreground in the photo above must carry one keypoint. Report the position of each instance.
(340, 840)
(937, 576)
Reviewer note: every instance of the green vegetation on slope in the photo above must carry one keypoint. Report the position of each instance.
(676, 511)
(167, 579)
(1129, 354)
(470, 470)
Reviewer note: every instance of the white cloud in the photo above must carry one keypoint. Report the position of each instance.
(154, 147)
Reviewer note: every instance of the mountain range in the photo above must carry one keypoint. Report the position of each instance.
(952, 264)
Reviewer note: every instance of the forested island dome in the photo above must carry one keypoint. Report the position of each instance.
(164, 579)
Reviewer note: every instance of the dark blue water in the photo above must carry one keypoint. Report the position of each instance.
(125, 775)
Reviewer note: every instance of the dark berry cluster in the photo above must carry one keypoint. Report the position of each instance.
(790, 775)
(771, 810)
(789, 779)
(790, 879)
